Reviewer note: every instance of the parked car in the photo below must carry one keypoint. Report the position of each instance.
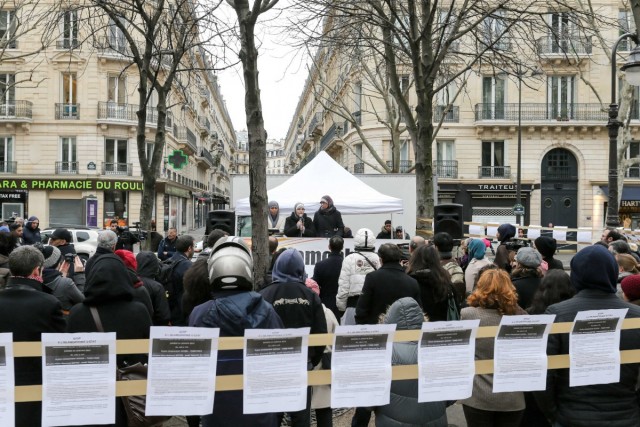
(85, 240)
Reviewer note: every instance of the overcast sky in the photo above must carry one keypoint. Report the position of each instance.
(283, 71)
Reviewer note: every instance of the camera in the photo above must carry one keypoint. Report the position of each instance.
(70, 258)
(515, 244)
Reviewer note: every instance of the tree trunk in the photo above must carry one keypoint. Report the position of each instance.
(257, 145)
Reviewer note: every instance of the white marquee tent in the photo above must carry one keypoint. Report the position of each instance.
(321, 176)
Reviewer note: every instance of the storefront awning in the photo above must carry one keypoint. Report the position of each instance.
(628, 192)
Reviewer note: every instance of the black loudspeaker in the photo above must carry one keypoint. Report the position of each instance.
(223, 220)
(448, 218)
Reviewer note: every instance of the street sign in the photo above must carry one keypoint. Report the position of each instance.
(177, 159)
(518, 209)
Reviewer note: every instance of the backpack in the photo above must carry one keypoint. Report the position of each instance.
(453, 309)
(165, 274)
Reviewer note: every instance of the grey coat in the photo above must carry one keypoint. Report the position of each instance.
(403, 408)
(612, 405)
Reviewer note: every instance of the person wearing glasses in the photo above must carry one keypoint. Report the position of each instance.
(298, 224)
(328, 220)
(31, 232)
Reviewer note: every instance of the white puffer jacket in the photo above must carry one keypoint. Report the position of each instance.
(354, 268)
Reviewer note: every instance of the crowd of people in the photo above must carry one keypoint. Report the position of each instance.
(47, 289)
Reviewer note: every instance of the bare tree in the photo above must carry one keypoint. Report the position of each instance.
(247, 16)
(170, 43)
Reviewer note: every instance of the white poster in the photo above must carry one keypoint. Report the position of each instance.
(78, 379)
(520, 353)
(182, 370)
(446, 360)
(275, 370)
(7, 380)
(361, 365)
(594, 347)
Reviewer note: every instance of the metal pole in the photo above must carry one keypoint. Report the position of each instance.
(613, 125)
(519, 173)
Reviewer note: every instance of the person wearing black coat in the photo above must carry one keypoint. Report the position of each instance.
(547, 247)
(327, 272)
(182, 258)
(148, 266)
(298, 224)
(109, 290)
(328, 220)
(27, 309)
(385, 286)
(31, 232)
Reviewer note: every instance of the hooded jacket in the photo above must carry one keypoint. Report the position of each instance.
(477, 260)
(297, 305)
(403, 408)
(234, 312)
(30, 235)
(593, 275)
(547, 247)
(328, 222)
(355, 267)
(62, 288)
(506, 231)
(148, 266)
(291, 226)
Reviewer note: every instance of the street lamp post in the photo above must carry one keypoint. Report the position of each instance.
(632, 68)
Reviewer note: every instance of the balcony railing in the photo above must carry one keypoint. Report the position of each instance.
(66, 167)
(185, 137)
(67, 111)
(112, 46)
(328, 137)
(206, 156)
(205, 124)
(316, 121)
(127, 113)
(446, 168)
(117, 168)
(9, 167)
(68, 43)
(358, 168)
(494, 171)
(16, 110)
(405, 165)
(452, 115)
(541, 112)
(552, 45)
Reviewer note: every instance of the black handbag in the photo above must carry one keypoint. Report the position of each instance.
(134, 406)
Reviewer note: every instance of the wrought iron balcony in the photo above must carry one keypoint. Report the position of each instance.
(446, 168)
(186, 139)
(16, 111)
(405, 165)
(316, 123)
(552, 45)
(494, 171)
(66, 168)
(114, 47)
(541, 112)
(205, 157)
(67, 111)
(452, 115)
(328, 137)
(9, 167)
(358, 168)
(68, 43)
(117, 168)
(113, 111)
(205, 125)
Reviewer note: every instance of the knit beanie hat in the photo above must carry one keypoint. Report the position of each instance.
(529, 257)
(507, 231)
(594, 267)
(128, 258)
(546, 246)
(631, 287)
(51, 256)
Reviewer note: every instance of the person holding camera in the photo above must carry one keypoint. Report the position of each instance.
(126, 239)
(54, 277)
(63, 240)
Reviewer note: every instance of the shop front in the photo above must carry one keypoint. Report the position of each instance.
(177, 208)
(629, 208)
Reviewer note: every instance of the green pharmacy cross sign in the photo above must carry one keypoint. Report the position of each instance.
(177, 159)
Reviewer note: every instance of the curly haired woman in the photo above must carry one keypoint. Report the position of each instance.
(493, 297)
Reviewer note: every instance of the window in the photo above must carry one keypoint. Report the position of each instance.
(493, 160)
(445, 159)
(493, 97)
(69, 100)
(626, 24)
(493, 31)
(560, 97)
(117, 97)
(446, 22)
(117, 41)
(6, 154)
(149, 151)
(115, 157)
(357, 96)
(7, 29)
(69, 29)
(562, 29)
(68, 161)
(7, 92)
(633, 150)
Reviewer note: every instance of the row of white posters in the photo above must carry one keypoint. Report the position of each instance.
(79, 381)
